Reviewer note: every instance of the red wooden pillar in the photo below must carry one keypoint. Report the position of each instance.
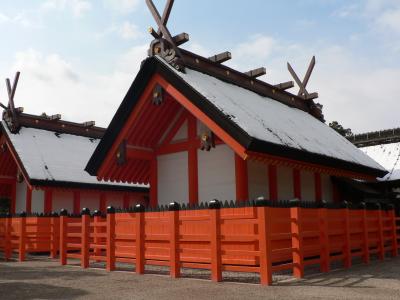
(48, 201)
(125, 201)
(175, 270)
(28, 200)
(54, 236)
(153, 183)
(215, 241)
(241, 177)
(13, 198)
(77, 202)
(85, 241)
(63, 237)
(140, 240)
(297, 242)
(264, 215)
(297, 183)
(273, 182)
(103, 202)
(366, 256)
(324, 240)
(22, 237)
(318, 187)
(392, 215)
(193, 161)
(347, 246)
(110, 251)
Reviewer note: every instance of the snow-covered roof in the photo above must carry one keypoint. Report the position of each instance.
(388, 156)
(271, 121)
(50, 156)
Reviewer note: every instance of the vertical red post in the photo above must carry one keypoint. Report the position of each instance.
(54, 235)
(85, 240)
(297, 183)
(264, 215)
(193, 161)
(48, 201)
(381, 245)
(28, 200)
(273, 182)
(215, 240)
(103, 202)
(97, 232)
(366, 257)
(318, 187)
(7, 239)
(324, 239)
(22, 237)
(140, 230)
(241, 178)
(394, 232)
(63, 237)
(347, 245)
(13, 198)
(125, 201)
(297, 242)
(77, 202)
(153, 182)
(175, 270)
(110, 251)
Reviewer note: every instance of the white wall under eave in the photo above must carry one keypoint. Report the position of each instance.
(90, 200)
(285, 183)
(327, 188)
(216, 174)
(182, 133)
(307, 186)
(63, 199)
(173, 183)
(20, 204)
(37, 201)
(115, 200)
(258, 179)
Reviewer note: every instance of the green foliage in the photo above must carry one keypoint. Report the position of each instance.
(346, 132)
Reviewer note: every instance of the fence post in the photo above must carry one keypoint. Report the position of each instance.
(381, 246)
(264, 215)
(7, 242)
(347, 245)
(85, 240)
(63, 236)
(96, 232)
(175, 270)
(366, 257)
(392, 215)
(297, 239)
(140, 230)
(54, 234)
(323, 237)
(22, 236)
(110, 239)
(215, 241)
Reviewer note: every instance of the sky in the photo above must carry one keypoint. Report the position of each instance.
(79, 57)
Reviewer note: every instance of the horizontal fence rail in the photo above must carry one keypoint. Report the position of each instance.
(260, 237)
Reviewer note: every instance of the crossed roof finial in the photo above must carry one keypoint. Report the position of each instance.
(303, 84)
(10, 111)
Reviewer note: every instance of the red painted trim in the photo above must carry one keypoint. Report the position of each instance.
(178, 124)
(7, 180)
(242, 179)
(126, 201)
(28, 200)
(77, 202)
(153, 183)
(173, 148)
(273, 182)
(48, 201)
(193, 161)
(103, 202)
(297, 183)
(132, 153)
(318, 187)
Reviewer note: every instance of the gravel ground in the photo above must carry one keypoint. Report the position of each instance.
(46, 279)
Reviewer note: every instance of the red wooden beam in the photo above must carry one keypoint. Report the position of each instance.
(28, 200)
(173, 131)
(193, 161)
(153, 183)
(297, 183)
(135, 153)
(242, 179)
(48, 201)
(273, 182)
(318, 187)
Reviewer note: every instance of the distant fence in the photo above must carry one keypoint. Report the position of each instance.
(256, 238)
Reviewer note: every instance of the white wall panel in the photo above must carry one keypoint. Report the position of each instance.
(258, 179)
(327, 189)
(63, 199)
(182, 133)
(90, 200)
(37, 201)
(307, 186)
(20, 204)
(285, 183)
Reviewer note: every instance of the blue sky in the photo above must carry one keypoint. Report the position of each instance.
(78, 57)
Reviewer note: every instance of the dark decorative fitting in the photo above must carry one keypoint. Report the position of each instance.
(139, 208)
(207, 141)
(110, 210)
(256, 72)
(158, 95)
(54, 214)
(121, 153)
(221, 57)
(22, 214)
(344, 204)
(261, 201)
(20, 177)
(390, 206)
(63, 212)
(361, 205)
(97, 213)
(173, 206)
(214, 204)
(294, 202)
(323, 204)
(85, 211)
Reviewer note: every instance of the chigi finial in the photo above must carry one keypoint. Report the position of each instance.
(10, 111)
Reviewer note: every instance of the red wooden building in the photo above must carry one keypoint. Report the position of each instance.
(42, 164)
(195, 130)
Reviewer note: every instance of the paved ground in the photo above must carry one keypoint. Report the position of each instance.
(43, 279)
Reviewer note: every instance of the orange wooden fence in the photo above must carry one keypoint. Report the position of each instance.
(259, 238)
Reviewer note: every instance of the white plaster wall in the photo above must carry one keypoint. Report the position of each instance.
(216, 174)
(90, 200)
(115, 200)
(182, 133)
(327, 189)
(20, 203)
(173, 183)
(63, 199)
(258, 179)
(285, 183)
(307, 186)
(37, 201)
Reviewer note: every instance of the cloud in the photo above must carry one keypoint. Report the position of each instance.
(20, 19)
(121, 6)
(126, 30)
(77, 7)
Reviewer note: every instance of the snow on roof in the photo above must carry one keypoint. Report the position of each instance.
(269, 120)
(388, 156)
(47, 155)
